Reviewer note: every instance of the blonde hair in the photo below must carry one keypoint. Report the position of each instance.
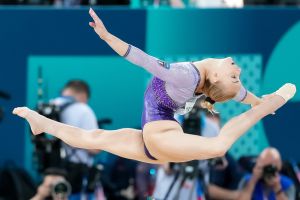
(215, 92)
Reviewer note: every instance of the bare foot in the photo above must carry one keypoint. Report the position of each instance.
(280, 97)
(35, 120)
(287, 91)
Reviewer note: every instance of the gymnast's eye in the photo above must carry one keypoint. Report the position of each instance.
(233, 76)
(233, 63)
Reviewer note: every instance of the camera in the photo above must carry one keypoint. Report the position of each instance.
(191, 123)
(189, 169)
(218, 163)
(269, 172)
(61, 190)
(49, 110)
(47, 149)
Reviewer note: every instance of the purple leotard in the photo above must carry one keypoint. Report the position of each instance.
(171, 89)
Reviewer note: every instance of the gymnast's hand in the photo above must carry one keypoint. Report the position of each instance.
(98, 25)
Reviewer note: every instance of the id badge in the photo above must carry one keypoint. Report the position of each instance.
(187, 108)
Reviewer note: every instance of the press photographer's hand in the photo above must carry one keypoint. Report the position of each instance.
(257, 172)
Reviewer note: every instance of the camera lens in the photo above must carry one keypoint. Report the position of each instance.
(62, 188)
(269, 171)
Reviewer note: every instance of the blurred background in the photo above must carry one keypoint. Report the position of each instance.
(46, 44)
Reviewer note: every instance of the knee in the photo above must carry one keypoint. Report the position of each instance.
(221, 147)
(221, 151)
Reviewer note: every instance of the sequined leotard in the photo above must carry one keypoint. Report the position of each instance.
(172, 86)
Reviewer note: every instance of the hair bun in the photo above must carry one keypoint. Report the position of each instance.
(208, 99)
(208, 104)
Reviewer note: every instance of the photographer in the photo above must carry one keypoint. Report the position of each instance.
(54, 184)
(77, 162)
(265, 182)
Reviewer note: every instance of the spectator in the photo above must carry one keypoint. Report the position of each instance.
(265, 182)
(53, 177)
(76, 112)
(208, 3)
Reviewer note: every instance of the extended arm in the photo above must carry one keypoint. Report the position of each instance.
(251, 99)
(175, 74)
(115, 43)
(247, 97)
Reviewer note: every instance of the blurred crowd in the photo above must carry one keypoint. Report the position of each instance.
(156, 3)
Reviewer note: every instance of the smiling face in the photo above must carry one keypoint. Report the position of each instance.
(224, 75)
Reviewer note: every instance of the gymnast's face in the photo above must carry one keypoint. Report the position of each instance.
(228, 74)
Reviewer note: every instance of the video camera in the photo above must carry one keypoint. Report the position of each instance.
(47, 148)
(192, 124)
(49, 110)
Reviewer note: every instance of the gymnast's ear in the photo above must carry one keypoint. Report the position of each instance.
(215, 77)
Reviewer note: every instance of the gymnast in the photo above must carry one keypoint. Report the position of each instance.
(174, 89)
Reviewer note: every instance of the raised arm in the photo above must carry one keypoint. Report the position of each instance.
(115, 43)
(176, 74)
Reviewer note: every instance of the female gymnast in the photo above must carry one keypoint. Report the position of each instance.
(174, 88)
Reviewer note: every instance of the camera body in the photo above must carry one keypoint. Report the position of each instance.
(269, 172)
(49, 110)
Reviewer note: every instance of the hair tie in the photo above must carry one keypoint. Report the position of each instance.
(208, 99)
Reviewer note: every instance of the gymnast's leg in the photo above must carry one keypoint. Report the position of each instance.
(164, 139)
(178, 147)
(127, 143)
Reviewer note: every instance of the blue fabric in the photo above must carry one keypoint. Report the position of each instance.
(78, 196)
(258, 191)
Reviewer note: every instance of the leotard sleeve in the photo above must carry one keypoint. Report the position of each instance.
(181, 74)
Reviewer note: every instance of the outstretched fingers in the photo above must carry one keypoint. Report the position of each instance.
(92, 24)
(94, 16)
(98, 25)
